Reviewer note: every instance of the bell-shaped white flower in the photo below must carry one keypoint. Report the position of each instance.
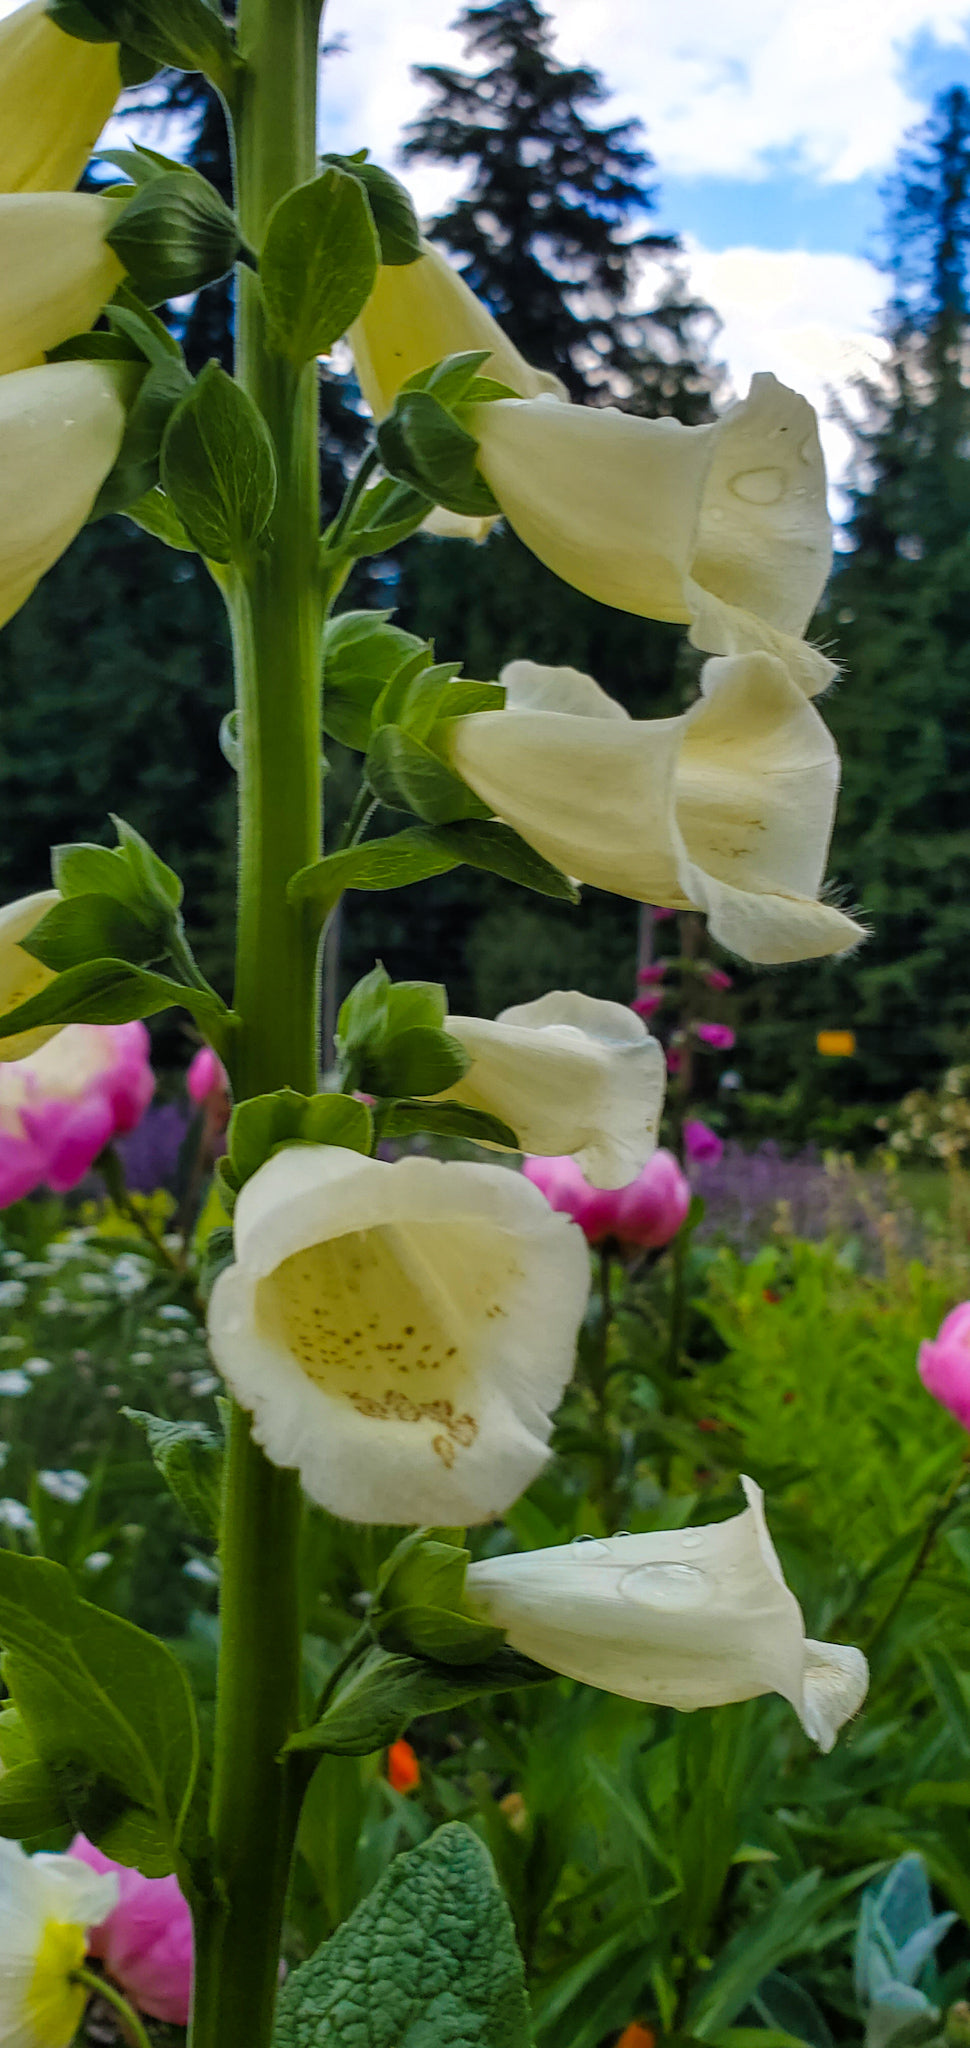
(570, 1074)
(47, 1905)
(727, 809)
(55, 96)
(21, 975)
(419, 312)
(56, 270)
(683, 1618)
(722, 527)
(60, 432)
(400, 1333)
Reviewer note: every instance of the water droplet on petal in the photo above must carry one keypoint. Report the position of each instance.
(593, 1548)
(669, 1586)
(691, 1538)
(758, 486)
(808, 449)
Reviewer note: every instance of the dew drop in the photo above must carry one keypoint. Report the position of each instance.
(758, 486)
(670, 1586)
(691, 1539)
(592, 1547)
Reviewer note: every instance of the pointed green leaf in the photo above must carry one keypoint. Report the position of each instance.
(219, 468)
(318, 264)
(384, 1693)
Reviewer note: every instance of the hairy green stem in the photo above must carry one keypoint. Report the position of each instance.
(130, 2023)
(275, 616)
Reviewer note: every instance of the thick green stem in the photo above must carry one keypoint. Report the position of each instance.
(275, 614)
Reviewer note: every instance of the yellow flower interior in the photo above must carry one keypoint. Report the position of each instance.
(53, 2004)
(369, 1317)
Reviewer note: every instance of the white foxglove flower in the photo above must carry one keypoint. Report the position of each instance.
(55, 96)
(683, 1618)
(60, 433)
(47, 1906)
(400, 1333)
(722, 527)
(20, 975)
(569, 1074)
(56, 270)
(727, 809)
(419, 312)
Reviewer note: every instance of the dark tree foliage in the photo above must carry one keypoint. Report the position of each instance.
(551, 225)
(898, 618)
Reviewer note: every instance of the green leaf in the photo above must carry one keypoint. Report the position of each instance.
(219, 468)
(387, 513)
(390, 203)
(190, 1459)
(499, 851)
(84, 869)
(427, 1961)
(157, 515)
(361, 652)
(450, 379)
(406, 857)
(385, 1692)
(82, 928)
(363, 1015)
(162, 390)
(318, 264)
(258, 1128)
(418, 1604)
(417, 1062)
(446, 1120)
(158, 883)
(422, 444)
(187, 34)
(107, 1707)
(145, 330)
(174, 235)
(407, 776)
(112, 992)
(30, 1803)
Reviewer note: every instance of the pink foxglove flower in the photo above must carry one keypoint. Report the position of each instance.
(646, 1214)
(944, 1363)
(63, 1104)
(719, 1037)
(646, 1006)
(654, 973)
(716, 978)
(700, 1142)
(145, 1944)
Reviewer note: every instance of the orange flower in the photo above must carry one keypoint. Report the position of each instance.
(636, 2036)
(403, 1768)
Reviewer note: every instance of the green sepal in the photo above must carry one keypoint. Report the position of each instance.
(431, 1953)
(143, 166)
(130, 872)
(265, 1123)
(445, 1120)
(386, 514)
(152, 338)
(380, 1697)
(451, 378)
(391, 1040)
(417, 1062)
(189, 35)
(174, 235)
(219, 468)
(418, 1604)
(113, 992)
(163, 388)
(107, 1708)
(422, 851)
(361, 652)
(83, 928)
(318, 264)
(499, 850)
(189, 1457)
(218, 1252)
(397, 225)
(407, 776)
(423, 445)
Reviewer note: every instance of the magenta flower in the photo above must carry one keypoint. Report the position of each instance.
(63, 1104)
(716, 978)
(646, 1214)
(719, 1037)
(646, 1006)
(146, 1943)
(944, 1363)
(206, 1076)
(700, 1142)
(654, 973)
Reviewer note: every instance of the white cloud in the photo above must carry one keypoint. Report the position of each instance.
(720, 84)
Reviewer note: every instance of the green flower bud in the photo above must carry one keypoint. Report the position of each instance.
(175, 235)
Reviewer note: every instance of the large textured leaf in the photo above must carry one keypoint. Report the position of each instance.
(427, 1961)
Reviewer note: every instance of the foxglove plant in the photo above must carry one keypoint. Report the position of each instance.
(395, 1333)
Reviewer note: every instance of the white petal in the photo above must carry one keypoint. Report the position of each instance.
(56, 93)
(684, 1618)
(20, 975)
(570, 1075)
(56, 270)
(401, 1333)
(60, 432)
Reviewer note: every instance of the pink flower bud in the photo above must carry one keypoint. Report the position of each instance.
(646, 1006)
(719, 1037)
(654, 973)
(146, 1943)
(206, 1076)
(63, 1104)
(567, 1190)
(716, 978)
(944, 1363)
(647, 1213)
(675, 1060)
(700, 1142)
